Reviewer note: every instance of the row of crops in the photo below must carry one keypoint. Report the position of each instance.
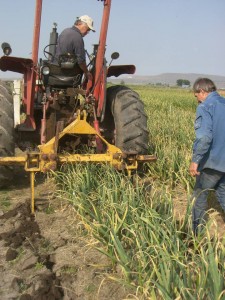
(144, 226)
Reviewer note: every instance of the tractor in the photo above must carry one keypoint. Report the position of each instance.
(55, 115)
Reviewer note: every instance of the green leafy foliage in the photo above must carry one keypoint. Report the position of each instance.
(139, 230)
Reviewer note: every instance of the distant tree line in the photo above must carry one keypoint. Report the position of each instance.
(179, 82)
(183, 82)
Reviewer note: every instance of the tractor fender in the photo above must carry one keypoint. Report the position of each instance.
(15, 64)
(120, 69)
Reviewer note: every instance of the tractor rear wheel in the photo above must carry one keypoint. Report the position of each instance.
(126, 120)
(7, 145)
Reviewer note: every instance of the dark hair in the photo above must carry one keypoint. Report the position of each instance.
(204, 84)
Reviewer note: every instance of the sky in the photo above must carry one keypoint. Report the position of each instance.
(157, 36)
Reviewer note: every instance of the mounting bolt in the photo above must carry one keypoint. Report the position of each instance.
(44, 157)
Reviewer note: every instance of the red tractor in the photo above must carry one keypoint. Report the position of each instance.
(62, 117)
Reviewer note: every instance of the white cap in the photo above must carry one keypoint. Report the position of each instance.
(86, 19)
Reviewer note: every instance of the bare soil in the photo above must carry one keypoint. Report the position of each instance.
(49, 255)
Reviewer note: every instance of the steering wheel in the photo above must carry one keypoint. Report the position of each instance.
(48, 53)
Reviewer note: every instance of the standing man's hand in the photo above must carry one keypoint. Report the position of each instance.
(194, 169)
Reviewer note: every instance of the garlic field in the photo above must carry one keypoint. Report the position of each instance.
(143, 225)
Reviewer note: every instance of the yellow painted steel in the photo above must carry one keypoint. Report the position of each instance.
(32, 191)
(47, 158)
(35, 161)
(79, 126)
(15, 160)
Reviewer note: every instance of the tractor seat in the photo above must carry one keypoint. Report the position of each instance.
(62, 77)
(64, 81)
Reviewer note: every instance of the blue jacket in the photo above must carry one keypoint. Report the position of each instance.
(209, 145)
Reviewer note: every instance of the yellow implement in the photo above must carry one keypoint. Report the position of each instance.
(48, 158)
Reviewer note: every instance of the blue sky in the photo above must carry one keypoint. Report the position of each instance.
(158, 36)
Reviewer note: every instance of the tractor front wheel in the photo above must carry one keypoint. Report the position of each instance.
(7, 145)
(126, 120)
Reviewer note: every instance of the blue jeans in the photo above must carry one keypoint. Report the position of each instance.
(207, 180)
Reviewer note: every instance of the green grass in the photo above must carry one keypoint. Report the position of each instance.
(139, 231)
(171, 114)
(157, 254)
(5, 202)
(38, 266)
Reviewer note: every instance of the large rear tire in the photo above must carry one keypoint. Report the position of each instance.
(7, 144)
(126, 121)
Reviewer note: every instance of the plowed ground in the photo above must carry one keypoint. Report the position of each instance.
(49, 255)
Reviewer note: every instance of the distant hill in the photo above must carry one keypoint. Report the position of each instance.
(168, 79)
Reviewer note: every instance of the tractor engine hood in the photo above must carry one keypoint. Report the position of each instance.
(15, 64)
(120, 69)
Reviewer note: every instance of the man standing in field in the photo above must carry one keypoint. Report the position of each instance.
(208, 159)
